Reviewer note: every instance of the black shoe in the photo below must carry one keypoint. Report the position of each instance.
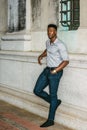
(47, 123)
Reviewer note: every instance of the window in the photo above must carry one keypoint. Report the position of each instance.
(70, 14)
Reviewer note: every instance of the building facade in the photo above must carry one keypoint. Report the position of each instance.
(23, 32)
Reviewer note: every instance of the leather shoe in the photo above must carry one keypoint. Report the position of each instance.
(47, 123)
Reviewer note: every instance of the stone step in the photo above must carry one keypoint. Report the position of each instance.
(13, 118)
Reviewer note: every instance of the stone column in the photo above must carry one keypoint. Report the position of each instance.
(28, 16)
(12, 15)
(3, 18)
(19, 40)
(82, 32)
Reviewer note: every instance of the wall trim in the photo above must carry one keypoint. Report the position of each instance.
(76, 61)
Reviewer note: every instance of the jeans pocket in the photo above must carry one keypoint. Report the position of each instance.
(57, 75)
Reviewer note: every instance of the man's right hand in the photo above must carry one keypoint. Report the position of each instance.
(39, 60)
(44, 54)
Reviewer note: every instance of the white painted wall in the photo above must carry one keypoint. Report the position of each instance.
(18, 74)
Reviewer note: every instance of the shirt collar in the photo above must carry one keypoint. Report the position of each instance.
(56, 41)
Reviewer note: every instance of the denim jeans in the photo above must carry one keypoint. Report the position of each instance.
(45, 79)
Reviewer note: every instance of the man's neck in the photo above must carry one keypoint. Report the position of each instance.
(53, 39)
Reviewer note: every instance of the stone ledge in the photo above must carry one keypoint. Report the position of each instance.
(21, 56)
(16, 37)
(16, 42)
(76, 61)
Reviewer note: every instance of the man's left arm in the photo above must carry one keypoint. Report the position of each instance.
(60, 67)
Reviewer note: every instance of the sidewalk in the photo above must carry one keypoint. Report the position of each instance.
(13, 118)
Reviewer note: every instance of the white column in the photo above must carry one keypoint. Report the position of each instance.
(12, 15)
(15, 10)
(28, 15)
(20, 40)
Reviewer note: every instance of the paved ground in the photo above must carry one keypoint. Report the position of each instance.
(13, 118)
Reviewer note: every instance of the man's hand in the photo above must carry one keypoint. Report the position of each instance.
(62, 65)
(53, 72)
(39, 60)
(44, 54)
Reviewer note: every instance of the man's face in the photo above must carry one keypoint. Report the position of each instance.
(51, 32)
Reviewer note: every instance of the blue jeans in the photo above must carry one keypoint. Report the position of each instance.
(45, 79)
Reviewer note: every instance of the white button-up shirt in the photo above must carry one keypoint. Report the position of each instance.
(56, 53)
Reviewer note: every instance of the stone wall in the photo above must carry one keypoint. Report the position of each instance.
(3, 18)
(3, 15)
(19, 68)
(36, 14)
(43, 13)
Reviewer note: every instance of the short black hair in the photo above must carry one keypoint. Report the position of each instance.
(53, 26)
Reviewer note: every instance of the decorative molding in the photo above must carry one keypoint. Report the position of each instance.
(76, 61)
(16, 42)
(16, 37)
(20, 56)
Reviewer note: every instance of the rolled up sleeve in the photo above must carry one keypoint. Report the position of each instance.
(63, 52)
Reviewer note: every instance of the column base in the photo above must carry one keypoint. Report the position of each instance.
(16, 42)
